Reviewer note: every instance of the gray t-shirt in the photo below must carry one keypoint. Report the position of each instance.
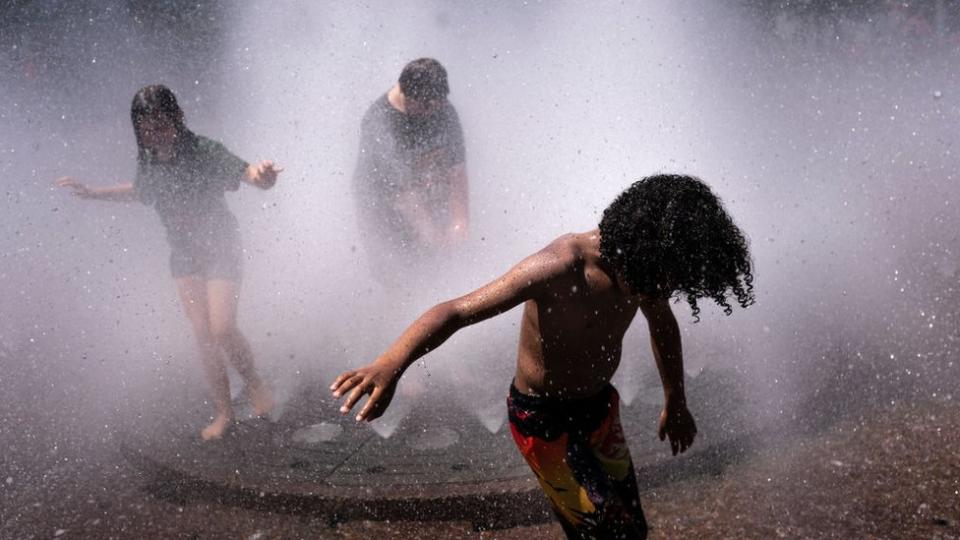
(187, 192)
(400, 153)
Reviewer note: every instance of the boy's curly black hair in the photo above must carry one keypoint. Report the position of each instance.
(669, 234)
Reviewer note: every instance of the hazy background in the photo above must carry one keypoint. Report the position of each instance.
(827, 127)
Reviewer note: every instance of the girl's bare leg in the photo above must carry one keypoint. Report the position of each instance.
(222, 297)
(193, 295)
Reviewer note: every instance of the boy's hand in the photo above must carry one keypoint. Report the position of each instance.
(378, 381)
(677, 423)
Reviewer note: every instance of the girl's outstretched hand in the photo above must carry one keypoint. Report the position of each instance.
(377, 380)
(79, 189)
(265, 174)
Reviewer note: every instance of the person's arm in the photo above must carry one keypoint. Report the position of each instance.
(459, 204)
(121, 192)
(676, 422)
(522, 282)
(262, 175)
(226, 170)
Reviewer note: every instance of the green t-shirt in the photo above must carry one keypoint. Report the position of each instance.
(187, 191)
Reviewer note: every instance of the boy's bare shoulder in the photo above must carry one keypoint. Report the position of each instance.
(554, 260)
(574, 246)
(561, 255)
(565, 255)
(562, 246)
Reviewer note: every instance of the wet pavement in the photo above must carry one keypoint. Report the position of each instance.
(889, 471)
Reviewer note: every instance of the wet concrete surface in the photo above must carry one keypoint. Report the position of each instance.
(891, 470)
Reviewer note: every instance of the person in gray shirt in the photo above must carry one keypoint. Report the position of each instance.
(410, 183)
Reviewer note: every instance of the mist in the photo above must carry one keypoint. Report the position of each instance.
(829, 136)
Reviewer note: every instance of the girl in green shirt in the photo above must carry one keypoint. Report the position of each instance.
(184, 177)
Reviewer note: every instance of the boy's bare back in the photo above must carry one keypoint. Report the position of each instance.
(572, 330)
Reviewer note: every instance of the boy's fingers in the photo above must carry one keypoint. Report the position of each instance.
(355, 396)
(343, 383)
(370, 410)
(339, 379)
(343, 377)
(351, 400)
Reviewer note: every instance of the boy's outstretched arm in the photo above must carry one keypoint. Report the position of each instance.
(431, 329)
(676, 422)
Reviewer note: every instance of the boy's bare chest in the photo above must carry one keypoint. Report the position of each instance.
(587, 310)
(588, 318)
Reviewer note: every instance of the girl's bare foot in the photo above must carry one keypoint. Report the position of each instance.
(261, 400)
(216, 428)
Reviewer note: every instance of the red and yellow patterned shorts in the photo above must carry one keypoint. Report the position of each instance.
(579, 454)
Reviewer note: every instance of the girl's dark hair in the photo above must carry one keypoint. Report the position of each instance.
(154, 101)
(669, 234)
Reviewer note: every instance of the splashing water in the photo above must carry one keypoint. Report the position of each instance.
(387, 425)
(317, 433)
(492, 416)
(433, 439)
(627, 381)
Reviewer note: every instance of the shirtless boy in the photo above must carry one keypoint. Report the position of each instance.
(665, 236)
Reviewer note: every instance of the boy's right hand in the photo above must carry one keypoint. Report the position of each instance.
(377, 380)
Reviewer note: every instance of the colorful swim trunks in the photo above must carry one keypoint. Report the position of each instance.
(580, 456)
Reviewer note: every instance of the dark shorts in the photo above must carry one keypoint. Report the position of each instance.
(580, 456)
(219, 261)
